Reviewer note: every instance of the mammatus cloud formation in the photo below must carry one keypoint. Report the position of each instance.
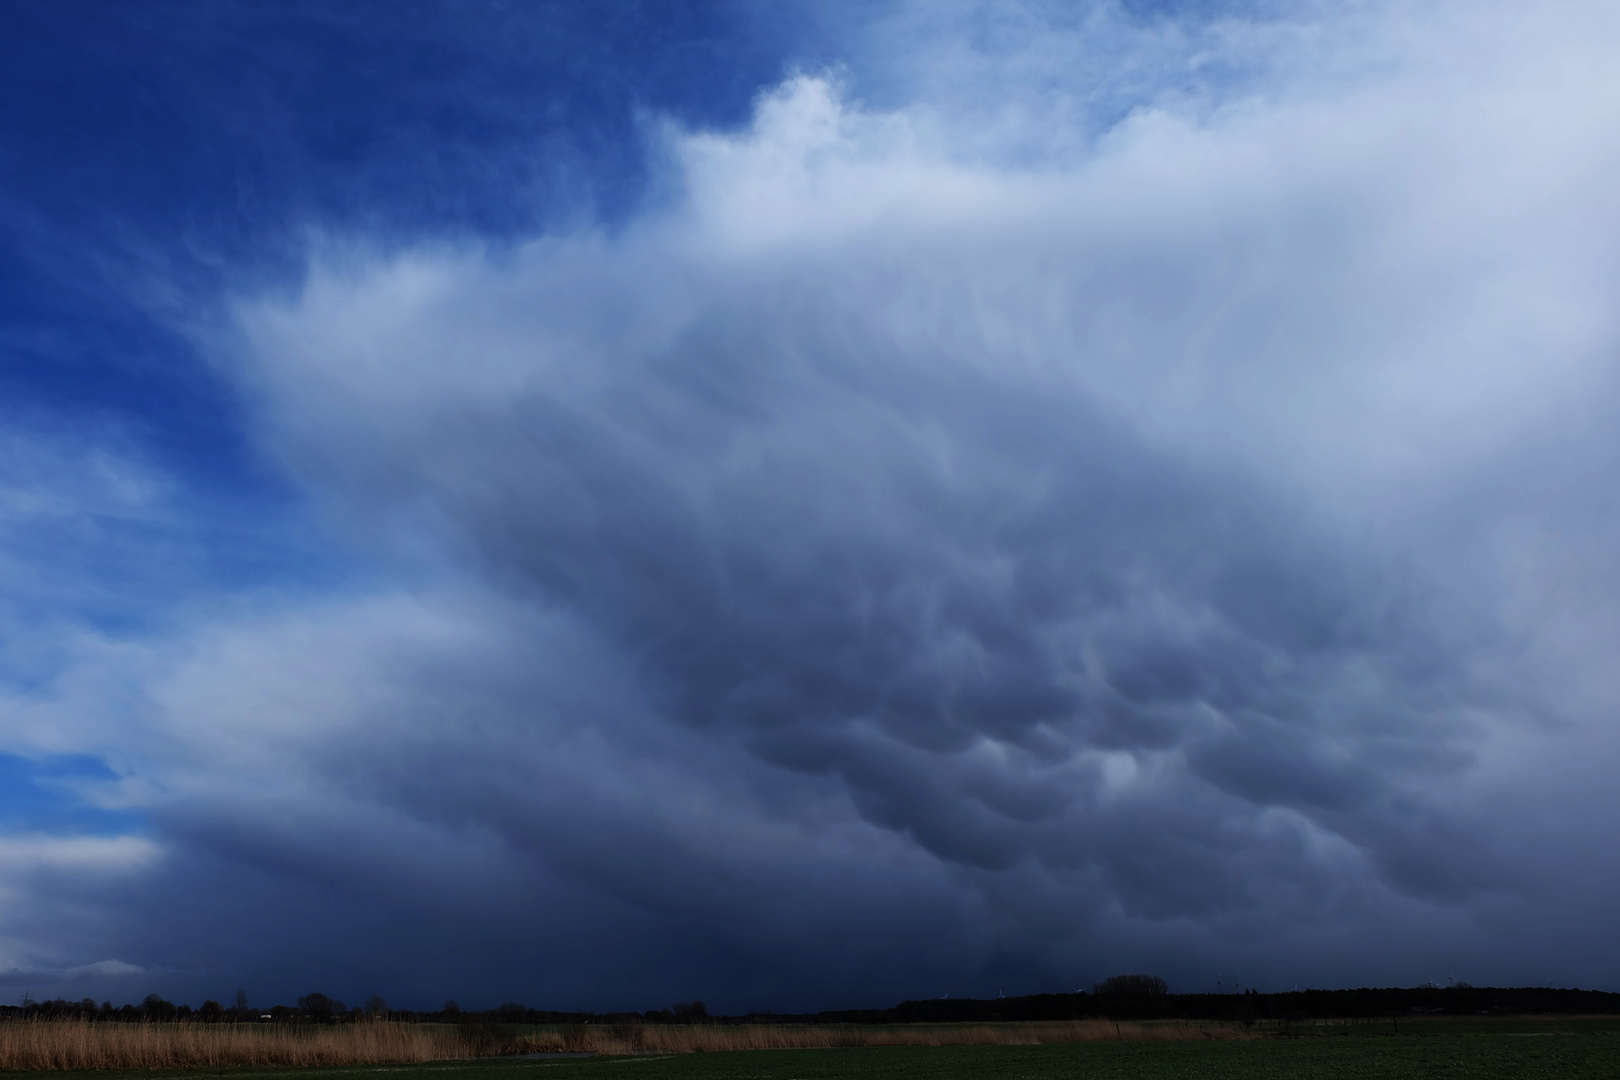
(1156, 528)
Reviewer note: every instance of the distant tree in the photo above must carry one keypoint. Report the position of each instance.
(513, 1013)
(690, 1011)
(241, 1001)
(376, 1006)
(320, 1008)
(1140, 996)
(451, 1009)
(1133, 985)
(155, 1008)
(210, 1012)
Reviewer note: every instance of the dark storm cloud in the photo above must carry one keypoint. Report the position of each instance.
(939, 594)
(1053, 550)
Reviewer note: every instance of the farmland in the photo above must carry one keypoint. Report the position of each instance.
(1524, 1048)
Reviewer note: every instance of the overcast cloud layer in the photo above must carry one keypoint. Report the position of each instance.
(1048, 498)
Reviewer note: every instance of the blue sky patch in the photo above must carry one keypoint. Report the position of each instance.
(52, 795)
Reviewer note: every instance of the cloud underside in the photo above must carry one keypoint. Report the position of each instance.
(903, 555)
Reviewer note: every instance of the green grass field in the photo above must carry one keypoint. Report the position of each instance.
(1529, 1049)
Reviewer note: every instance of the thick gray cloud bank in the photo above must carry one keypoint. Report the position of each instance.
(980, 541)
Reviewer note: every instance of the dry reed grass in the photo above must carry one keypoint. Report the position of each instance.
(80, 1044)
(661, 1039)
(39, 1045)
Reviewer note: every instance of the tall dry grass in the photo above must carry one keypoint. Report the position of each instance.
(38, 1045)
(80, 1044)
(662, 1039)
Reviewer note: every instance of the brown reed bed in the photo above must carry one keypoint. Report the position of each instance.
(680, 1039)
(41, 1045)
(80, 1044)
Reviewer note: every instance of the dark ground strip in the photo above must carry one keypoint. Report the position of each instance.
(1586, 1056)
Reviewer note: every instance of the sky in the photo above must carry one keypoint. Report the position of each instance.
(805, 506)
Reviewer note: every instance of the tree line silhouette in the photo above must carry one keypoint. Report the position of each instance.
(1134, 997)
